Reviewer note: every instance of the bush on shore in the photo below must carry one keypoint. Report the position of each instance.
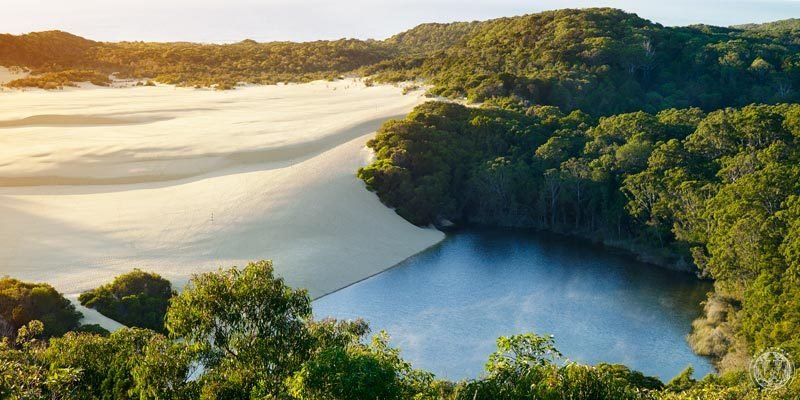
(137, 299)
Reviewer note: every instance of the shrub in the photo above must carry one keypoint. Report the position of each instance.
(135, 299)
(23, 302)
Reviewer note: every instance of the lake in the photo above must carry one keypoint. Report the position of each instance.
(445, 307)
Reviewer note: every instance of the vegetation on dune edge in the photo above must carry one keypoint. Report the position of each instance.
(680, 144)
(600, 61)
(243, 334)
(137, 299)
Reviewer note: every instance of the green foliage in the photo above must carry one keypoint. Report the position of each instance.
(248, 327)
(129, 363)
(93, 329)
(517, 352)
(61, 79)
(134, 299)
(526, 367)
(350, 373)
(107, 363)
(539, 168)
(425, 161)
(787, 30)
(342, 366)
(729, 386)
(602, 61)
(682, 381)
(165, 371)
(634, 378)
(95, 357)
(189, 64)
(669, 173)
(54, 54)
(720, 189)
(433, 37)
(24, 375)
(239, 356)
(21, 303)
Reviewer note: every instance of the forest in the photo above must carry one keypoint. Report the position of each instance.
(605, 61)
(601, 61)
(716, 192)
(241, 333)
(49, 54)
(678, 144)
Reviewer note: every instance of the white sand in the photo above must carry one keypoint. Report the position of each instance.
(95, 182)
(10, 74)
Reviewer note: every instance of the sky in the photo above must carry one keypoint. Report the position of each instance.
(303, 20)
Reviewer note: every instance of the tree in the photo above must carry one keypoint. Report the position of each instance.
(576, 173)
(23, 302)
(552, 184)
(247, 326)
(682, 381)
(525, 367)
(106, 363)
(761, 67)
(518, 352)
(24, 372)
(165, 371)
(342, 366)
(349, 373)
(137, 298)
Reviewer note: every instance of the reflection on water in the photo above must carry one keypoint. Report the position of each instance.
(446, 306)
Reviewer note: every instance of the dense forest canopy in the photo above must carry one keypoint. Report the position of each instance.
(432, 37)
(680, 144)
(44, 50)
(787, 30)
(719, 191)
(241, 333)
(605, 61)
(601, 61)
(136, 299)
(190, 64)
(23, 302)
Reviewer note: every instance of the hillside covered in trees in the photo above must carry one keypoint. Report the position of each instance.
(680, 144)
(601, 61)
(605, 61)
(189, 64)
(717, 190)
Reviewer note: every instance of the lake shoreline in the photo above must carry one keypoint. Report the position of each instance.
(674, 262)
(503, 281)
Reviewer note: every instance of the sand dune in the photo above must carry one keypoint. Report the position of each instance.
(117, 170)
(70, 120)
(163, 133)
(213, 179)
(10, 74)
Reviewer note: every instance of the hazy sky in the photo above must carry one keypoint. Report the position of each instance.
(300, 20)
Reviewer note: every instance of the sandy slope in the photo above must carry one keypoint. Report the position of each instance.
(95, 182)
(10, 74)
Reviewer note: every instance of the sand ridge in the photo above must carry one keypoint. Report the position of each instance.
(70, 120)
(214, 179)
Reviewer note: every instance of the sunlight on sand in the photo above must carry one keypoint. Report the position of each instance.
(95, 182)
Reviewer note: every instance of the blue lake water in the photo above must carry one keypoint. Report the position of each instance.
(445, 307)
